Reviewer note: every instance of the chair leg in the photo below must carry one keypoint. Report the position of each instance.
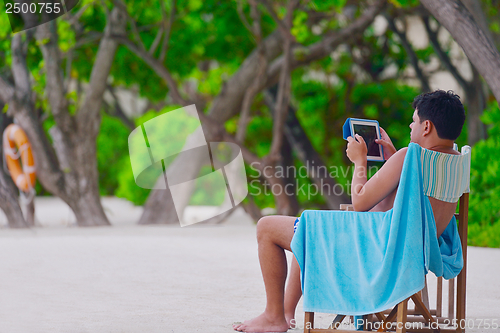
(388, 320)
(425, 312)
(451, 299)
(461, 280)
(380, 316)
(439, 299)
(308, 322)
(401, 321)
(425, 294)
(337, 321)
(461, 301)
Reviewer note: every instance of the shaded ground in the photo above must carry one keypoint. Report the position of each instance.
(161, 279)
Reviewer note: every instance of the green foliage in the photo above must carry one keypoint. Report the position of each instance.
(405, 3)
(210, 82)
(5, 32)
(126, 186)
(208, 43)
(66, 35)
(484, 207)
(484, 236)
(111, 150)
(495, 27)
(326, 5)
(299, 29)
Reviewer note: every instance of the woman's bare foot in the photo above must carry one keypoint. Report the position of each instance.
(263, 323)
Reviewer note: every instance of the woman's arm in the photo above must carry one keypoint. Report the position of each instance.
(366, 194)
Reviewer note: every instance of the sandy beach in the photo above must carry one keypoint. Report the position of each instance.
(130, 278)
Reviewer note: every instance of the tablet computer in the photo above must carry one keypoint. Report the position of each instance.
(369, 130)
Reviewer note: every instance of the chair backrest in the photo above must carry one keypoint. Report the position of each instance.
(446, 177)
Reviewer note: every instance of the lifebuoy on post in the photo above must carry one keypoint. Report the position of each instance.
(15, 146)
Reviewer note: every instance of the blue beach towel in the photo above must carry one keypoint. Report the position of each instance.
(355, 263)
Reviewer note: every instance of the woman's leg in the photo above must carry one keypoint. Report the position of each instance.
(293, 293)
(274, 235)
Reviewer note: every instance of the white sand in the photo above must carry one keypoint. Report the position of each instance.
(132, 278)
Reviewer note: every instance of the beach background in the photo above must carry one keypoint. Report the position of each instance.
(91, 246)
(131, 278)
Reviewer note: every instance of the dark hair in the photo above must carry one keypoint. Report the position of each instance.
(444, 110)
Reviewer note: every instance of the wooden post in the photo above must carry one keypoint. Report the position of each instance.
(401, 317)
(425, 294)
(439, 299)
(451, 299)
(463, 210)
(308, 322)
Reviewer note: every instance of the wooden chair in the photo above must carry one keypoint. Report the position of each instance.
(400, 315)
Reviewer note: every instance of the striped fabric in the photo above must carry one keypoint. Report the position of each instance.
(446, 177)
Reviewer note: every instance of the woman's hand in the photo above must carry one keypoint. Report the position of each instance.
(386, 142)
(356, 150)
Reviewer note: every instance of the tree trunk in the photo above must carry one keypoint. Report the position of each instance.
(69, 168)
(467, 33)
(9, 202)
(476, 129)
(474, 7)
(316, 168)
(290, 182)
(159, 208)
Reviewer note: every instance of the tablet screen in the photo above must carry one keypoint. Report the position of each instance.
(369, 134)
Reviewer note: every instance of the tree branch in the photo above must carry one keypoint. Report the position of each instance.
(284, 86)
(241, 14)
(100, 71)
(305, 55)
(20, 71)
(156, 41)
(6, 91)
(130, 19)
(445, 59)
(157, 66)
(259, 79)
(481, 52)
(217, 132)
(119, 111)
(282, 25)
(47, 38)
(168, 29)
(474, 7)
(228, 102)
(411, 53)
(73, 19)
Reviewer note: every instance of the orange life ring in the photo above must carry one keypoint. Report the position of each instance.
(15, 145)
